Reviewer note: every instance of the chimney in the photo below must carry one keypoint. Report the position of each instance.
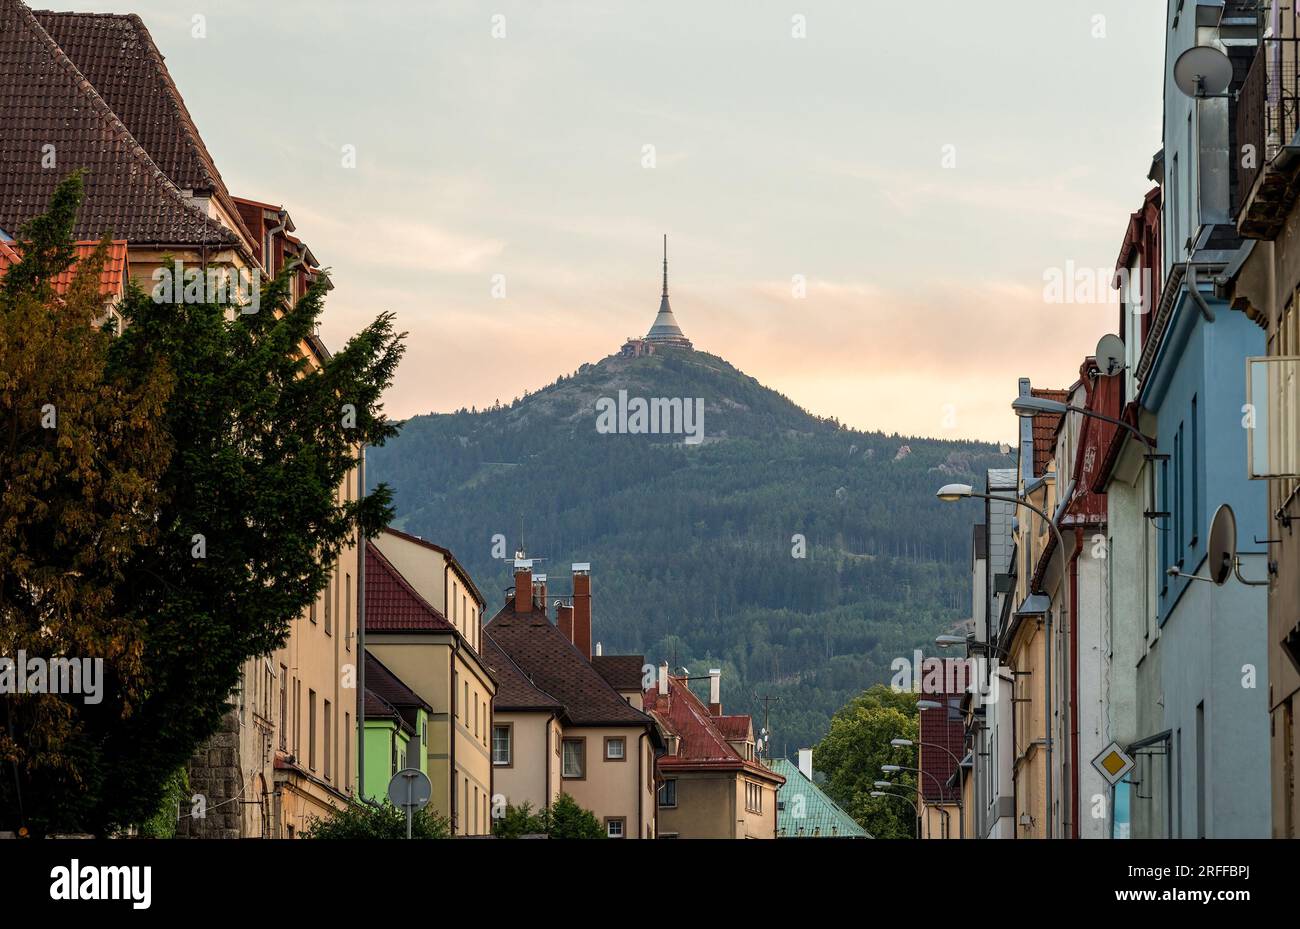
(805, 762)
(597, 649)
(564, 619)
(523, 585)
(715, 691)
(539, 591)
(582, 607)
(663, 679)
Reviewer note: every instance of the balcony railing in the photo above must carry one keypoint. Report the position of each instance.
(1268, 117)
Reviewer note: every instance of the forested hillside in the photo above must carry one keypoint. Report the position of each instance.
(693, 546)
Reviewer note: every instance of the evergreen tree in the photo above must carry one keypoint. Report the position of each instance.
(83, 449)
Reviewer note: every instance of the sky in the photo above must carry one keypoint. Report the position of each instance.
(865, 200)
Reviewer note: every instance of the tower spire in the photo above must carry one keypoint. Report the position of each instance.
(665, 264)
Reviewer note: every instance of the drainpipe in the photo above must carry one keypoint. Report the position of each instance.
(361, 633)
(1074, 683)
(1195, 291)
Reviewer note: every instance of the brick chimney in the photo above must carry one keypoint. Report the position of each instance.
(582, 607)
(805, 763)
(715, 691)
(523, 585)
(564, 619)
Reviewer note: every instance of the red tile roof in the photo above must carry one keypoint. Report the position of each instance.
(702, 743)
(392, 604)
(554, 666)
(1045, 431)
(117, 55)
(47, 101)
(112, 277)
(735, 728)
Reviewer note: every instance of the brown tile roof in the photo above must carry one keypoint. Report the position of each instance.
(938, 766)
(1045, 431)
(703, 744)
(514, 690)
(112, 277)
(554, 666)
(45, 100)
(117, 55)
(392, 604)
(624, 672)
(389, 687)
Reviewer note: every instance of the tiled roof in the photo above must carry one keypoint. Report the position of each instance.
(391, 688)
(735, 728)
(117, 55)
(514, 690)
(803, 811)
(1045, 431)
(622, 671)
(392, 604)
(112, 276)
(45, 101)
(703, 743)
(552, 663)
(938, 766)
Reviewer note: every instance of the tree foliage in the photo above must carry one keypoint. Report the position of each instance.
(205, 555)
(564, 819)
(378, 821)
(82, 454)
(851, 755)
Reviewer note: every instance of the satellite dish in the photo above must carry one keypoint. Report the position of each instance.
(1202, 71)
(1222, 548)
(1110, 355)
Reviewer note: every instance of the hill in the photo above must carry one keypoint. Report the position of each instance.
(693, 546)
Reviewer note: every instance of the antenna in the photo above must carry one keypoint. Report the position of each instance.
(1222, 546)
(1202, 71)
(665, 264)
(1110, 355)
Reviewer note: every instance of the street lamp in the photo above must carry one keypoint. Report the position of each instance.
(953, 492)
(907, 800)
(908, 743)
(943, 790)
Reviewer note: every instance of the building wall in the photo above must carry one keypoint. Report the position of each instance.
(472, 723)
(531, 777)
(623, 789)
(706, 806)
(1093, 623)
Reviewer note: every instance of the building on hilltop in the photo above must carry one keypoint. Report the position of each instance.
(664, 333)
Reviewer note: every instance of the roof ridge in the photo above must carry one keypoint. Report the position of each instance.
(112, 123)
(174, 99)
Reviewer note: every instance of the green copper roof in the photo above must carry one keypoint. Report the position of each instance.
(803, 811)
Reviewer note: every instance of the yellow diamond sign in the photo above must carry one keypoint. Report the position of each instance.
(1113, 763)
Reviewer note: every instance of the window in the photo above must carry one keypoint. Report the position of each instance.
(614, 826)
(329, 741)
(476, 719)
(615, 748)
(347, 751)
(465, 704)
(573, 765)
(1196, 482)
(284, 708)
(347, 612)
(329, 593)
(753, 797)
(668, 793)
(501, 746)
(311, 729)
(311, 614)
(297, 719)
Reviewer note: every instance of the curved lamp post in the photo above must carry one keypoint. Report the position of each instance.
(908, 743)
(950, 493)
(943, 790)
(905, 799)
